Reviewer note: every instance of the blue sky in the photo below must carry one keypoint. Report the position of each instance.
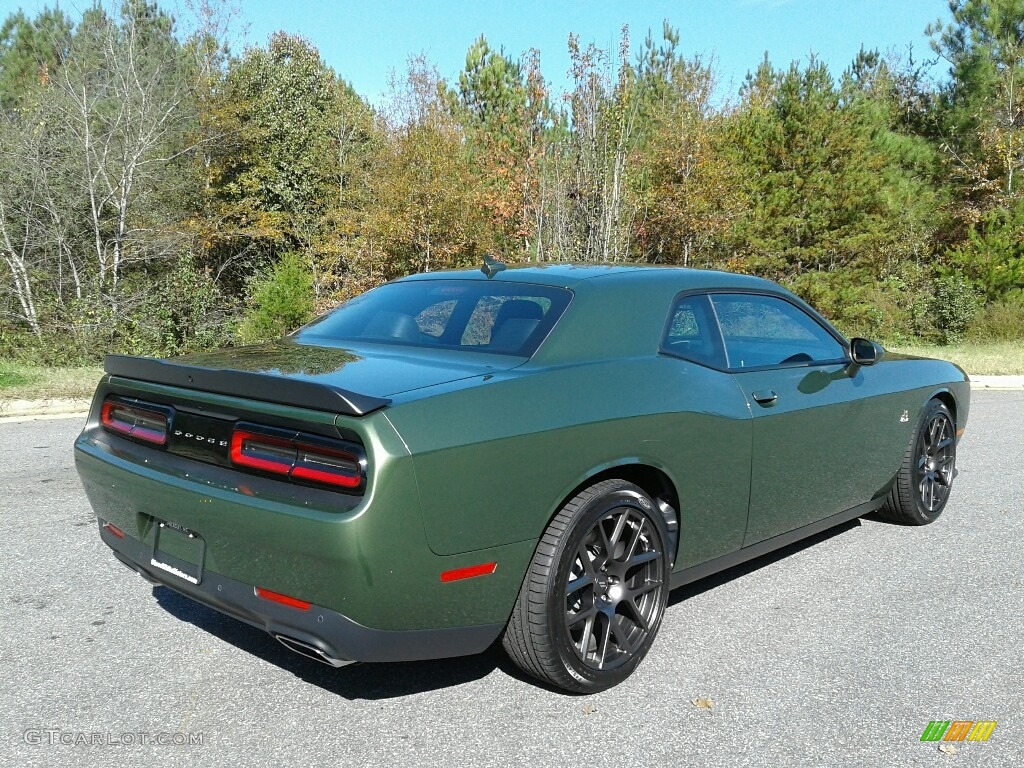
(366, 40)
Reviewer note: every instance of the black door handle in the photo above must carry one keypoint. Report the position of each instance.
(765, 396)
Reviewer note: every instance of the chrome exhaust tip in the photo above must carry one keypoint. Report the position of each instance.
(311, 651)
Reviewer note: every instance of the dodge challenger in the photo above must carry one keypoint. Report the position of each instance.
(535, 455)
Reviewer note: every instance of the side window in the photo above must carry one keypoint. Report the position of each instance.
(766, 330)
(692, 333)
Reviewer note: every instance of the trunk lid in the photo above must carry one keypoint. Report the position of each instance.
(356, 379)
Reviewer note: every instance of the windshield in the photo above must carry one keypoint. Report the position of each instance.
(493, 317)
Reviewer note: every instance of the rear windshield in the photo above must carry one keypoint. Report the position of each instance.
(494, 317)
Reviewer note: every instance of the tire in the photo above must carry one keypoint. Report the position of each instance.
(595, 592)
(922, 486)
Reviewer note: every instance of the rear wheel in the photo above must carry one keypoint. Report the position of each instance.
(595, 592)
(924, 481)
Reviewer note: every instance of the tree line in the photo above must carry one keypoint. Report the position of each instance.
(160, 193)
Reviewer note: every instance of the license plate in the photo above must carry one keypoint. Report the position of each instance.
(178, 551)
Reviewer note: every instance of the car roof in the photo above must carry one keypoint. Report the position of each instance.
(572, 275)
(618, 310)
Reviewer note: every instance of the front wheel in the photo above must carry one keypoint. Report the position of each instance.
(922, 486)
(595, 592)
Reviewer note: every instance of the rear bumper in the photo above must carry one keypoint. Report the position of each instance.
(317, 632)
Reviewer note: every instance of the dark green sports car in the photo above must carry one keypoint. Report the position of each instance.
(534, 454)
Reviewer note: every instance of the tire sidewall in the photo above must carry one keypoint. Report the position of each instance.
(626, 495)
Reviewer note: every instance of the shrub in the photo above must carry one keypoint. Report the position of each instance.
(280, 302)
(954, 307)
(903, 296)
(184, 312)
(1002, 321)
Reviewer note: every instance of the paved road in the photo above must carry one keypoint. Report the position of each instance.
(835, 653)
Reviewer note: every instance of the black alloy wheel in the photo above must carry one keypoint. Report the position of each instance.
(921, 488)
(595, 592)
(613, 590)
(935, 457)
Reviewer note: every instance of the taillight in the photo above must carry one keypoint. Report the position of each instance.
(296, 456)
(140, 421)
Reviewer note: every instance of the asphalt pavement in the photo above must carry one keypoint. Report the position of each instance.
(836, 652)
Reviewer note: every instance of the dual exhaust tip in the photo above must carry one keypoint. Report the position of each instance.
(311, 651)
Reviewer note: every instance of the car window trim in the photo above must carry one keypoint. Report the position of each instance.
(709, 292)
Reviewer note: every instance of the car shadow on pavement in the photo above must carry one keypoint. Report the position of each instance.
(391, 680)
(356, 681)
(723, 577)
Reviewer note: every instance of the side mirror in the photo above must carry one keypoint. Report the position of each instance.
(864, 352)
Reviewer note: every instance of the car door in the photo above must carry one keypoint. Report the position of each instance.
(812, 421)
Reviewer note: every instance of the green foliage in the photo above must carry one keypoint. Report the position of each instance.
(1001, 321)
(815, 177)
(491, 87)
(151, 184)
(841, 297)
(31, 51)
(287, 164)
(980, 111)
(688, 188)
(427, 213)
(899, 305)
(954, 307)
(904, 298)
(280, 101)
(992, 258)
(503, 106)
(280, 302)
(187, 312)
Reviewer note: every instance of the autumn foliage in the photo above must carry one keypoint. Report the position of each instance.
(160, 192)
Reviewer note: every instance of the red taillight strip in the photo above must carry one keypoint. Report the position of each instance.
(484, 569)
(307, 469)
(277, 597)
(114, 416)
(297, 458)
(114, 530)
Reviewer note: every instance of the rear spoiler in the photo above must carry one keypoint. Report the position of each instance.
(254, 386)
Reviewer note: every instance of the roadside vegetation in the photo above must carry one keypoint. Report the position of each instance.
(993, 359)
(161, 192)
(19, 381)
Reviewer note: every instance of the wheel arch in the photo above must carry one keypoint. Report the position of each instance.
(948, 399)
(653, 480)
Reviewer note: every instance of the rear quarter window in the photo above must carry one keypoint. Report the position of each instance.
(692, 332)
